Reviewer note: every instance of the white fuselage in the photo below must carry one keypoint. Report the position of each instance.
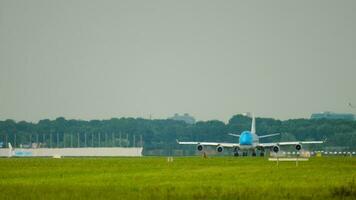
(248, 140)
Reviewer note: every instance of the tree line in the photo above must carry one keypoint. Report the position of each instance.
(160, 135)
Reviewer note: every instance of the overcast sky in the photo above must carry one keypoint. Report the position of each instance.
(212, 59)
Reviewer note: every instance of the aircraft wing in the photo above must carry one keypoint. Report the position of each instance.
(211, 144)
(266, 145)
(269, 135)
(300, 142)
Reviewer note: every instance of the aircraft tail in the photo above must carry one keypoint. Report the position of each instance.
(253, 125)
(10, 149)
(10, 146)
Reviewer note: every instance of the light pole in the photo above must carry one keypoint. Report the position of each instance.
(352, 108)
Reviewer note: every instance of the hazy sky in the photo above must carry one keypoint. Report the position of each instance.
(212, 59)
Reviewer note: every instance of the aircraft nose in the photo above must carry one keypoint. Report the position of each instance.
(245, 139)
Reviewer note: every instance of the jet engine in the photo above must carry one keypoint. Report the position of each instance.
(275, 149)
(298, 147)
(200, 147)
(219, 149)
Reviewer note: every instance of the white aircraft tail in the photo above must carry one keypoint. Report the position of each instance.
(10, 149)
(253, 125)
(10, 146)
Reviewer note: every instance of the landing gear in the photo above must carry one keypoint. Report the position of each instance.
(262, 153)
(236, 151)
(254, 153)
(244, 154)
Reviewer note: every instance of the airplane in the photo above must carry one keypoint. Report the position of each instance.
(18, 153)
(250, 141)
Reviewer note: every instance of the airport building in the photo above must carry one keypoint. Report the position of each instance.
(186, 118)
(332, 115)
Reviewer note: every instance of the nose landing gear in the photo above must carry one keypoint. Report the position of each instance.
(246, 153)
(236, 152)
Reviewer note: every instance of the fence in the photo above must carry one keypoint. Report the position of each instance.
(63, 140)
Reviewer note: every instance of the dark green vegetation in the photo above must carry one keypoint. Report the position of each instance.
(159, 135)
(185, 178)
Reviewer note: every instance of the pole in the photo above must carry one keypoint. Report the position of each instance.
(43, 138)
(120, 140)
(57, 139)
(134, 142)
(99, 139)
(30, 140)
(78, 140)
(50, 140)
(141, 142)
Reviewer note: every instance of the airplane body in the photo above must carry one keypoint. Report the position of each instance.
(250, 141)
(18, 153)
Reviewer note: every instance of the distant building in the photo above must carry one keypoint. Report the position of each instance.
(186, 118)
(331, 115)
(247, 114)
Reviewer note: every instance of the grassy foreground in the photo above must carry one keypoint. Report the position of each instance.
(185, 178)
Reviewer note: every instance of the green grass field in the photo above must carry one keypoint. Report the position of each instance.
(185, 178)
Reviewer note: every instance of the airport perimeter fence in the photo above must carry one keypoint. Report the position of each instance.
(78, 140)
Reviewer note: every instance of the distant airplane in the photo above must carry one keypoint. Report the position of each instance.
(18, 153)
(249, 141)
